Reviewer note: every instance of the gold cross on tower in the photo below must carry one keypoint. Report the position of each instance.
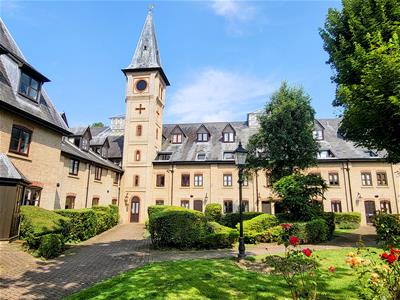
(140, 108)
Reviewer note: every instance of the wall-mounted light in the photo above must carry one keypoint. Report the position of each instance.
(126, 199)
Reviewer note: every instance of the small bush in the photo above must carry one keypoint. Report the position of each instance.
(177, 227)
(259, 223)
(219, 236)
(388, 229)
(83, 223)
(213, 212)
(350, 220)
(311, 232)
(106, 217)
(232, 219)
(329, 218)
(51, 245)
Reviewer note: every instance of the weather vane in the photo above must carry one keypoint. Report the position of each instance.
(151, 7)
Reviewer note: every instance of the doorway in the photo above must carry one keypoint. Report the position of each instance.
(369, 211)
(135, 208)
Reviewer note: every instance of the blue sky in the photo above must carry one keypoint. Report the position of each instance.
(223, 58)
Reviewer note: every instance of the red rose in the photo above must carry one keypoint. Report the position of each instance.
(394, 250)
(384, 255)
(294, 240)
(307, 252)
(286, 225)
(391, 258)
(331, 269)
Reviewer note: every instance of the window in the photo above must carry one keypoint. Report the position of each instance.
(95, 201)
(163, 156)
(73, 167)
(227, 179)
(20, 140)
(185, 180)
(333, 178)
(366, 179)
(85, 144)
(114, 201)
(201, 156)
(97, 173)
(116, 178)
(160, 180)
(202, 137)
(336, 206)
(318, 135)
(381, 178)
(198, 180)
(268, 181)
(385, 207)
(245, 205)
(245, 181)
(229, 156)
(228, 206)
(228, 137)
(29, 87)
(325, 154)
(159, 202)
(139, 130)
(70, 202)
(136, 180)
(185, 203)
(137, 155)
(177, 138)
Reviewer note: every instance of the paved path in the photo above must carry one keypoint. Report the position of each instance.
(117, 250)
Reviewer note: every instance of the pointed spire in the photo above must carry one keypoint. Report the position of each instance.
(147, 54)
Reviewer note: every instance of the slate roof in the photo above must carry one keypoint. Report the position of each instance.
(8, 171)
(78, 131)
(11, 59)
(69, 148)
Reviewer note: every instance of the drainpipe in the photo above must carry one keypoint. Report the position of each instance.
(396, 201)
(172, 184)
(257, 196)
(87, 184)
(348, 178)
(345, 187)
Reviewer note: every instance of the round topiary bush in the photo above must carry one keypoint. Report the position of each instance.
(213, 212)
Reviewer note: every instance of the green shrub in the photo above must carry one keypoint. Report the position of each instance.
(348, 225)
(349, 220)
(329, 218)
(155, 209)
(83, 223)
(177, 227)
(213, 212)
(106, 217)
(114, 211)
(388, 229)
(259, 223)
(51, 245)
(311, 232)
(219, 236)
(231, 219)
(37, 221)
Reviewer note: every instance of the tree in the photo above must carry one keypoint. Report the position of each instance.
(299, 193)
(97, 124)
(363, 44)
(284, 142)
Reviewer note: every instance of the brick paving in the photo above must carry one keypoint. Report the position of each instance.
(117, 250)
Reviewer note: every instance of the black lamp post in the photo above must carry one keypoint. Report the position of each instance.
(240, 160)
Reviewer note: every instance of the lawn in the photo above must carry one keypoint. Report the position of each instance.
(216, 279)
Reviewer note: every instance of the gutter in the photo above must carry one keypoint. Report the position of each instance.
(348, 178)
(87, 185)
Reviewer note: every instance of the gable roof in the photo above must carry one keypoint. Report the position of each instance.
(11, 60)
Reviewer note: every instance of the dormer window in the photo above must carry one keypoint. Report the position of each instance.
(202, 137)
(229, 156)
(163, 156)
(29, 87)
(318, 134)
(228, 134)
(104, 152)
(201, 156)
(325, 154)
(85, 144)
(177, 138)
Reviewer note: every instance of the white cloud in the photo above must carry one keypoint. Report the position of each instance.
(234, 10)
(216, 95)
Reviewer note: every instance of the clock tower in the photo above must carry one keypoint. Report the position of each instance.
(146, 83)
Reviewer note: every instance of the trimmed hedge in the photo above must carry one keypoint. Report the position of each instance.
(232, 219)
(314, 231)
(83, 223)
(107, 217)
(213, 212)
(388, 229)
(329, 218)
(51, 245)
(349, 220)
(219, 236)
(256, 229)
(37, 222)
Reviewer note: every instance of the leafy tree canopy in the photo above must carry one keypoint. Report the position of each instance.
(97, 124)
(285, 140)
(363, 44)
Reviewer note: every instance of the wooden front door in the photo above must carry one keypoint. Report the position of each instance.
(198, 205)
(135, 208)
(369, 210)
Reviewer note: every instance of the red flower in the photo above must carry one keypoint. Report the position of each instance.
(391, 258)
(384, 255)
(331, 269)
(394, 250)
(307, 252)
(286, 225)
(294, 240)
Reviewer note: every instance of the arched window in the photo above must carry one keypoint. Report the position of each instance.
(136, 180)
(139, 130)
(137, 155)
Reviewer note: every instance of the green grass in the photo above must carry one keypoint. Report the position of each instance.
(216, 279)
(42, 220)
(339, 232)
